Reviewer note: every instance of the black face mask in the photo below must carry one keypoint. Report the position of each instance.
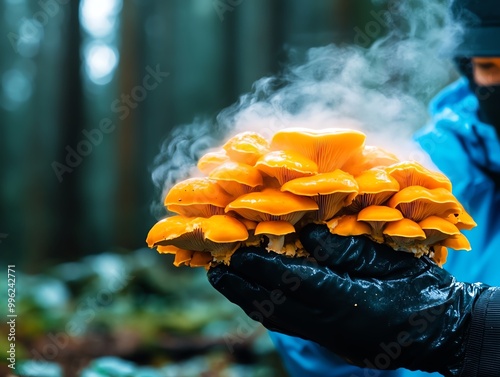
(489, 103)
(487, 96)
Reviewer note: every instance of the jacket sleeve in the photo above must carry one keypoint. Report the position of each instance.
(482, 355)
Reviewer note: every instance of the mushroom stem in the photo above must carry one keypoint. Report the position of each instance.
(275, 243)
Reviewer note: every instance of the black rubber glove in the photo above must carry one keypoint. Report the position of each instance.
(371, 305)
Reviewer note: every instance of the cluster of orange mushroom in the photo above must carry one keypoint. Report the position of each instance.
(256, 191)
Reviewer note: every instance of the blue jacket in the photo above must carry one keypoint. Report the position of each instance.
(468, 152)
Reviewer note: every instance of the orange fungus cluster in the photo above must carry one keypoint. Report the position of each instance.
(262, 192)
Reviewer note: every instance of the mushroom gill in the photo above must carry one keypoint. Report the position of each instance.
(197, 197)
(375, 187)
(437, 229)
(411, 173)
(237, 178)
(377, 217)
(275, 231)
(332, 191)
(169, 227)
(329, 148)
(417, 202)
(272, 205)
(246, 147)
(209, 161)
(219, 234)
(286, 165)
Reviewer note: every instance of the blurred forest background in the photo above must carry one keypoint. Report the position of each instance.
(81, 122)
(89, 91)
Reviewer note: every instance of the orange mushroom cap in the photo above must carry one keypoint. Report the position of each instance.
(276, 228)
(377, 217)
(457, 242)
(169, 227)
(375, 187)
(411, 173)
(369, 158)
(223, 228)
(348, 225)
(272, 205)
(286, 165)
(218, 234)
(209, 161)
(246, 147)
(329, 148)
(462, 220)
(167, 249)
(332, 191)
(275, 232)
(195, 197)
(437, 229)
(406, 235)
(406, 228)
(236, 178)
(417, 202)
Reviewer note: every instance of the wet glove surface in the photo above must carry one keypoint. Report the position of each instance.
(373, 306)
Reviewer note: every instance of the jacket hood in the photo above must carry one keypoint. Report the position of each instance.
(454, 111)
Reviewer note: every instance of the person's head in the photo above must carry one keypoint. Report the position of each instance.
(478, 54)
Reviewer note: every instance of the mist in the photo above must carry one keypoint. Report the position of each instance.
(382, 86)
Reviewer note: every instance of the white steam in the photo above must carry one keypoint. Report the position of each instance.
(382, 90)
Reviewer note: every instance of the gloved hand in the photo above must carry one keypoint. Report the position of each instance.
(371, 305)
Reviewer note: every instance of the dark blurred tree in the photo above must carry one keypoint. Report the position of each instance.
(212, 50)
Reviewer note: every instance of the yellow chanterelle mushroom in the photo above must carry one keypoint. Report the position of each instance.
(219, 235)
(237, 178)
(197, 197)
(348, 225)
(272, 205)
(332, 191)
(369, 158)
(286, 165)
(275, 231)
(329, 148)
(375, 187)
(246, 147)
(406, 235)
(377, 217)
(209, 161)
(417, 202)
(411, 173)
